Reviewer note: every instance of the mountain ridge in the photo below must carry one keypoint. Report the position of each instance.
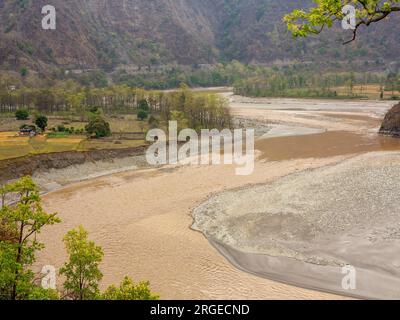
(105, 33)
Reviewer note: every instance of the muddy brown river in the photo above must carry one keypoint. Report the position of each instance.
(143, 219)
(321, 145)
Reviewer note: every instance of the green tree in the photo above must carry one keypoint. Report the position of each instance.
(22, 222)
(41, 122)
(128, 290)
(179, 117)
(98, 127)
(325, 12)
(143, 105)
(22, 114)
(75, 102)
(38, 293)
(142, 114)
(82, 271)
(24, 72)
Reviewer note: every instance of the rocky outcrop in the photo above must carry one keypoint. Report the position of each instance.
(391, 123)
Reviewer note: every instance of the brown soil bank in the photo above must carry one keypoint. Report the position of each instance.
(391, 123)
(15, 168)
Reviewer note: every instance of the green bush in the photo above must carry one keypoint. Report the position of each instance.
(22, 114)
(142, 114)
(143, 105)
(98, 127)
(41, 122)
(24, 72)
(61, 128)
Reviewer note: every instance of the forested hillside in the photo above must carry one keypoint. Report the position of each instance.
(148, 33)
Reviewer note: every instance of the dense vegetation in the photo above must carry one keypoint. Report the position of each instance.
(151, 35)
(302, 82)
(197, 110)
(20, 223)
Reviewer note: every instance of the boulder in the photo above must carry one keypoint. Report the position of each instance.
(391, 123)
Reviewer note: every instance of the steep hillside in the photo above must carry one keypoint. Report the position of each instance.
(253, 30)
(106, 33)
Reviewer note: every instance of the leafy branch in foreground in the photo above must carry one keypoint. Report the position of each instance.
(83, 275)
(325, 12)
(22, 218)
(129, 291)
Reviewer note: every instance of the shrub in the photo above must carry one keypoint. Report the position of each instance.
(142, 114)
(41, 122)
(22, 114)
(61, 128)
(24, 72)
(143, 105)
(98, 127)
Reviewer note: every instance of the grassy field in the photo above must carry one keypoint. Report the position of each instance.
(124, 123)
(12, 145)
(369, 91)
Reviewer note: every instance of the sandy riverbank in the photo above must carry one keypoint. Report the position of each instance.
(142, 219)
(303, 228)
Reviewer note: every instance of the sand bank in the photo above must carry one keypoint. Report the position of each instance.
(303, 228)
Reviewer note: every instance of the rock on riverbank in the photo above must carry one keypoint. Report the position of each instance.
(391, 123)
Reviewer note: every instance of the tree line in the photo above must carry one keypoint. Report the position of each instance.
(197, 110)
(304, 83)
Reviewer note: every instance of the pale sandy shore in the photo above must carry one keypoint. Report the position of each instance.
(142, 218)
(305, 227)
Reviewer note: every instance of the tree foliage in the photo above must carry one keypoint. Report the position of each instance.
(22, 218)
(142, 114)
(98, 127)
(143, 105)
(302, 82)
(128, 290)
(22, 114)
(325, 12)
(22, 222)
(82, 271)
(41, 122)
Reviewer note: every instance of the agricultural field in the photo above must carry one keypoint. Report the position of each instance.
(12, 145)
